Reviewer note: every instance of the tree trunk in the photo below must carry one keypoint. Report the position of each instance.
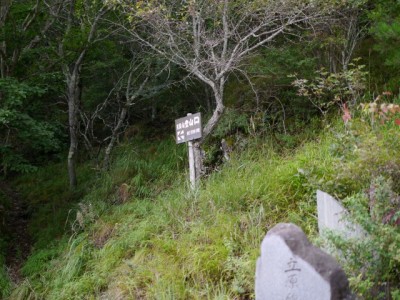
(122, 116)
(72, 74)
(208, 128)
(217, 114)
(2, 60)
(114, 135)
(153, 112)
(73, 104)
(4, 10)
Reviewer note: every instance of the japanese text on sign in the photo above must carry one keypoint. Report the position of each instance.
(188, 128)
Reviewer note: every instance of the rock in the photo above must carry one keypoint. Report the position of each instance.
(123, 193)
(332, 216)
(291, 268)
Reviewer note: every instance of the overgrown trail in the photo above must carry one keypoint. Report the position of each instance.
(19, 240)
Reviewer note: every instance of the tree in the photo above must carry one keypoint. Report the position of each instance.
(385, 29)
(336, 41)
(23, 26)
(211, 39)
(136, 80)
(129, 98)
(78, 32)
(144, 81)
(24, 134)
(27, 127)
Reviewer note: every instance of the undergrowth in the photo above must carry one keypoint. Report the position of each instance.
(5, 285)
(138, 231)
(373, 262)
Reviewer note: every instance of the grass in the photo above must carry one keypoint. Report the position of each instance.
(5, 284)
(167, 242)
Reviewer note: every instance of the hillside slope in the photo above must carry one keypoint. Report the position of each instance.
(138, 232)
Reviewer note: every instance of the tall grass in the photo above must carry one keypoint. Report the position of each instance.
(168, 242)
(5, 284)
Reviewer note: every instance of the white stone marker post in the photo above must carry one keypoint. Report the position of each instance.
(291, 268)
(332, 216)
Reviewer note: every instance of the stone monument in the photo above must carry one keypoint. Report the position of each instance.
(332, 216)
(291, 268)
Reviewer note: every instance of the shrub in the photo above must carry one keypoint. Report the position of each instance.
(373, 263)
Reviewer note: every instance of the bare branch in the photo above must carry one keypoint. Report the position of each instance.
(211, 38)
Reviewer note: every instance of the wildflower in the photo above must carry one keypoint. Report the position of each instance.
(346, 114)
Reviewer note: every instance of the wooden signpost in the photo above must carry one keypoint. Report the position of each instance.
(188, 129)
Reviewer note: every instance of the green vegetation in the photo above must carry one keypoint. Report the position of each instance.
(89, 91)
(164, 241)
(373, 262)
(5, 286)
(4, 280)
(24, 136)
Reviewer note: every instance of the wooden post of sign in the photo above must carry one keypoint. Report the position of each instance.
(192, 167)
(192, 171)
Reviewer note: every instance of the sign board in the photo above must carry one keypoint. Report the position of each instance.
(188, 128)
